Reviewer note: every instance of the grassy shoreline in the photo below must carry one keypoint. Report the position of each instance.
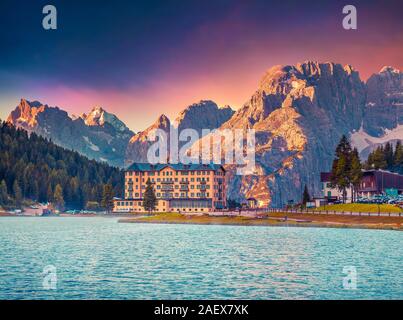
(361, 207)
(277, 219)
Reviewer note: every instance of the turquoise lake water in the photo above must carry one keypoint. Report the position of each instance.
(98, 258)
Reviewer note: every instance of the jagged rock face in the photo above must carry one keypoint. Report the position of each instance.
(299, 114)
(384, 107)
(100, 135)
(383, 118)
(139, 144)
(203, 115)
(198, 116)
(99, 117)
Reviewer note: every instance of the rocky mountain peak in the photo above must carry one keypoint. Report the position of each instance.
(99, 116)
(162, 122)
(288, 86)
(25, 114)
(86, 134)
(389, 69)
(385, 87)
(204, 114)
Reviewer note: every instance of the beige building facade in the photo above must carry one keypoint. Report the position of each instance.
(178, 187)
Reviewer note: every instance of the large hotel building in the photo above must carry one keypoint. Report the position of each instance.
(178, 187)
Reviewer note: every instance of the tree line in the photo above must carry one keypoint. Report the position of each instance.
(387, 158)
(33, 168)
(347, 167)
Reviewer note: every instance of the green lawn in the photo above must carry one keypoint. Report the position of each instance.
(361, 207)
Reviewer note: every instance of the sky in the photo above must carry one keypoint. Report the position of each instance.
(139, 59)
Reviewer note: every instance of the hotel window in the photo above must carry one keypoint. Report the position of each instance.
(137, 195)
(158, 194)
(192, 194)
(176, 179)
(139, 203)
(176, 194)
(192, 186)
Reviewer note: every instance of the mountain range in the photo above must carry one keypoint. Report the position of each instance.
(298, 113)
(98, 135)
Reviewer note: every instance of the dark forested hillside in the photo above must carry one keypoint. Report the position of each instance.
(32, 167)
(387, 158)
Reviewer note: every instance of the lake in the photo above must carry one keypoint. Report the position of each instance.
(99, 258)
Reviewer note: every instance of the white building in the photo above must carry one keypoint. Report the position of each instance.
(333, 194)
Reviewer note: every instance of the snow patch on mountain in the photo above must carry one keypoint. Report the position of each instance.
(362, 140)
(90, 144)
(98, 117)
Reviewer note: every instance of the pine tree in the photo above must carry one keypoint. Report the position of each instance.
(356, 171)
(341, 169)
(58, 197)
(150, 200)
(49, 194)
(398, 157)
(378, 159)
(306, 197)
(388, 155)
(17, 194)
(35, 191)
(107, 198)
(3, 193)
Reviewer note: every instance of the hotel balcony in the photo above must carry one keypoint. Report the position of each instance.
(184, 188)
(167, 188)
(167, 182)
(184, 182)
